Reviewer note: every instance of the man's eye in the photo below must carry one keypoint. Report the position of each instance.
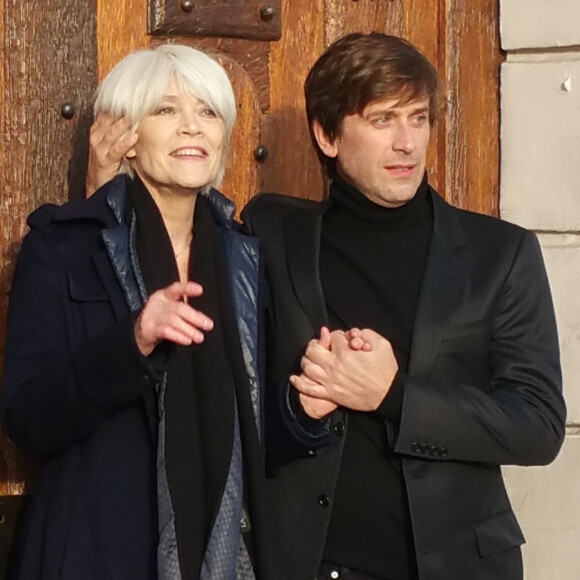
(382, 120)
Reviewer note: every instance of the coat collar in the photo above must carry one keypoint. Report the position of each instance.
(96, 208)
(441, 280)
(107, 206)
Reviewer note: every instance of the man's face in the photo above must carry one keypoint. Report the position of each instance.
(383, 150)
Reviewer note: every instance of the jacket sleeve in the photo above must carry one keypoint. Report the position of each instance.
(56, 391)
(519, 417)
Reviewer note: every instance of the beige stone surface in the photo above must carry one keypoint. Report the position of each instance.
(540, 144)
(539, 23)
(562, 257)
(540, 189)
(547, 503)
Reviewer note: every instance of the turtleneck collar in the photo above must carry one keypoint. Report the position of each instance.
(346, 197)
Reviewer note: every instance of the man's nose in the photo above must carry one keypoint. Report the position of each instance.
(404, 139)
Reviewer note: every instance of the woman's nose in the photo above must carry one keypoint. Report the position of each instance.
(189, 123)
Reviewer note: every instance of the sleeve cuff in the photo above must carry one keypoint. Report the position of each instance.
(307, 429)
(392, 405)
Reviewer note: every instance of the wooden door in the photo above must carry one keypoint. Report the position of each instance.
(53, 57)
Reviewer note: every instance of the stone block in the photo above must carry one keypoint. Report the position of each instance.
(547, 504)
(540, 144)
(539, 23)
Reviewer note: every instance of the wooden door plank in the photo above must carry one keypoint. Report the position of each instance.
(241, 179)
(473, 59)
(121, 29)
(224, 18)
(423, 21)
(345, 16)
(292, 166)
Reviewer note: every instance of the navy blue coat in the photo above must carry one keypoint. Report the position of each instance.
(77, 391)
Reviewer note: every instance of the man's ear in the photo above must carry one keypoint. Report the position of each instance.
(326, 144)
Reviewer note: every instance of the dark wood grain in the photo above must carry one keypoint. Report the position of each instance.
(121, 29)
(363, 16)
(472, 63)
(292, 166)
(425, 28)
(257, 19)
(252, 55)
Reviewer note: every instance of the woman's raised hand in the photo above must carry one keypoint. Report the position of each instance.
(109, 142)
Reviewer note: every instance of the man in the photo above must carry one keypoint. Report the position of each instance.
(404, 424)
(442, 364)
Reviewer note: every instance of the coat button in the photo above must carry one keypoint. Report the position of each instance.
(311, 453)
(416, 447)
(434, 451)
(323, 501)
(443, 452)
(338, 428)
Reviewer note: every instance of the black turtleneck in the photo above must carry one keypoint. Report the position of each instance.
(371, 263)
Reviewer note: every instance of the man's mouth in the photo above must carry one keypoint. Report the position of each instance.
(400, 169)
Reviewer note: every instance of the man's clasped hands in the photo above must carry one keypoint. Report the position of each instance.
(352, 369)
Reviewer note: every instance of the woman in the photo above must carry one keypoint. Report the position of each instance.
(133, 381)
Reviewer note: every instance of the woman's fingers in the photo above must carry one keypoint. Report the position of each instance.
(110, 140)
(166, 316)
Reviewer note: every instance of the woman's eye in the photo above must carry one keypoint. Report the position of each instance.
(208, 112)
(165, 110)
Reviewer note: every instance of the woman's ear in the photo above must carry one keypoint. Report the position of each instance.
(326, 144)
(131, 138)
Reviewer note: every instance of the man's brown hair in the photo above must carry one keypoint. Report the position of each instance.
(359, 69)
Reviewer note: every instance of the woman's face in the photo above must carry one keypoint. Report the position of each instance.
(180, 145)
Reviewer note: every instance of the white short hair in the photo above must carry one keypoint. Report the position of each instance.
(138, 83)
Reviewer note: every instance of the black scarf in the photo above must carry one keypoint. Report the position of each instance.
(199, 397)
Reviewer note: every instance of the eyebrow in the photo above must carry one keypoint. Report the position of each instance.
(424, 109)
(396, 111)
(174, 97)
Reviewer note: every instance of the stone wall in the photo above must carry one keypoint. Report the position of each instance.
(540, 189)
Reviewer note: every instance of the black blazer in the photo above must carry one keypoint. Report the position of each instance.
(483, 388)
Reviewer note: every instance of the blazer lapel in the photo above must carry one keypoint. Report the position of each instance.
(302, 232)
(441, 286)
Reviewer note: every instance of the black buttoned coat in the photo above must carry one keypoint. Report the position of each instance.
(77, 391)
(483, 389)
